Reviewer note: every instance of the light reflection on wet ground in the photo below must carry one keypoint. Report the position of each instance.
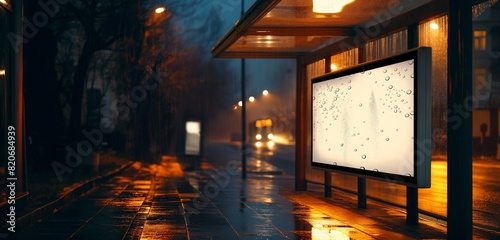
(163, 202)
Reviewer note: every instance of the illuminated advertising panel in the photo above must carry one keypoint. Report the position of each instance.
(193, 138)
(374, 120)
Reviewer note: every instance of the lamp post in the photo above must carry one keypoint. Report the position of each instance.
(243, 113)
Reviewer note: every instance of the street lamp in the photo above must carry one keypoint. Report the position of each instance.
(159, 10)
(250, 99)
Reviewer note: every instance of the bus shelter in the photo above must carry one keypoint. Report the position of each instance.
(326, 39)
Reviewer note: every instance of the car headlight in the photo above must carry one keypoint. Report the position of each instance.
(270, 136)
(258, 137)
(270, 144)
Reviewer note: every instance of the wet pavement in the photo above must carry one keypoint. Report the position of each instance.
(166, 202)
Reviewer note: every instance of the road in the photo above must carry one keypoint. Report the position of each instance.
(486, 178)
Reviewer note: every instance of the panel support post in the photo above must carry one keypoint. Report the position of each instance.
(411, 205)
(328, 184)
(361, 192)
(412, 192)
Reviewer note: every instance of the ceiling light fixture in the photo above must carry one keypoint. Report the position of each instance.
(329, 6)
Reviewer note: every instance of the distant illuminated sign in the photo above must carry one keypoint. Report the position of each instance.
(193, 138)
(373, 120)
(263, 123)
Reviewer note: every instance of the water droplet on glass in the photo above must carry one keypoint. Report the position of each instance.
(363, 156)
(412, 113)
(387, 139)
(367, 138)
(408, 92)
(385, 70)
(329, 149)
(395, 69)
(395, 111)
(411, 75)
(341, 145)
(349, 81)
(381, 130)
(349, 88)
(387, 78)
(407, 115)
(314, 98)
(360, 104)
(355, 150)
(399, 95)
(369, 73)
(390, 87)
(411, 62)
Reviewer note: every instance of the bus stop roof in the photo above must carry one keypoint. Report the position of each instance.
(291, 28)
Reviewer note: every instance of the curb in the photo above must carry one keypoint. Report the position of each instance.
(26, 221)
(275, 172)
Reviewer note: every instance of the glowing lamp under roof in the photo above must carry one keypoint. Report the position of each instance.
(329, 6)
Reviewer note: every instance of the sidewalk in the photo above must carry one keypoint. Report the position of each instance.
(164, 202)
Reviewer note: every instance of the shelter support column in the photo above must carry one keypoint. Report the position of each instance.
(460, 137)
(412, 192)
(302, 110)
(361, 180)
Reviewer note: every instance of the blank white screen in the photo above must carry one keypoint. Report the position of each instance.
(366, 120)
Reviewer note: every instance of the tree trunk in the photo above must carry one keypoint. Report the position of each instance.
(78, 88)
